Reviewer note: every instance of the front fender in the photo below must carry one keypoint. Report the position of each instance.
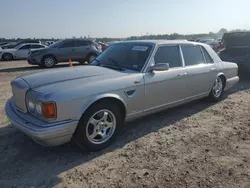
(98, 97)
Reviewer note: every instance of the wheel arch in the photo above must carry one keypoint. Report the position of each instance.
(13, 56)
(114, 98)
(224, 78)
(46, 55)
(91, 53)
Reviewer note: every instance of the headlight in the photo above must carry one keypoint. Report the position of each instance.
(35, 53)
(38, 109)
(45, 110)
(31, 106)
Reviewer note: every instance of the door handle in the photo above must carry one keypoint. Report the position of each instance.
(212, 69)
(182, 74)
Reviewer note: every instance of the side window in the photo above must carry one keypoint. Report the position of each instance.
(206, 55)
(79, 43)
(168, 54)
(192, 55)
(34, 46)
(25, 47)
(68, 44)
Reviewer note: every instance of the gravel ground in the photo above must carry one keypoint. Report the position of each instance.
(199, 144)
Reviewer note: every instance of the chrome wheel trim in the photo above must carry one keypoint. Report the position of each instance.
(101, 127)
(217, 87)
(49, 61)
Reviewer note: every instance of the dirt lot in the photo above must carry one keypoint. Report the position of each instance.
(196, 145)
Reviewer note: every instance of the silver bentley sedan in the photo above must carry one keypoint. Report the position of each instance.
(90, 104)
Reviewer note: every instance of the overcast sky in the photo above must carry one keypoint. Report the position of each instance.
(119, 18)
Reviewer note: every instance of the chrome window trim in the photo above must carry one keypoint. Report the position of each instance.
(152, 62)
(201, 51)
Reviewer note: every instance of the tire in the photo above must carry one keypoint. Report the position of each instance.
(91, 57)
(7, 57)
(217, 90)
(89, 136)
(48, 62)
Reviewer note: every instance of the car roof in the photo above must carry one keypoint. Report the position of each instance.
(77, 39)
(31, 44)
(162, 42)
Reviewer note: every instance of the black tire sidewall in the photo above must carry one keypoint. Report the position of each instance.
(43, 61)
(80, 136)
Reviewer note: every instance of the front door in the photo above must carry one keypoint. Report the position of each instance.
(66, 51)
(22, 52)
(200, 68)
(165, 87)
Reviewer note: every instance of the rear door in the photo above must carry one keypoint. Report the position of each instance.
(82, 49)
(200, 67)
(66, 51)
(22, 53)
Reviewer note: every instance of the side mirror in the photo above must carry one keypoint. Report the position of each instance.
(159, 67)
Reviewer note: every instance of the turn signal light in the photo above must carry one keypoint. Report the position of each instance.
(49, 110)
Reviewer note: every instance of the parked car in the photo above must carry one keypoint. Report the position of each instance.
(3, 43)
(204, 40)
(19, 52)
(75, 49)
(237, 49)
(128, 80)
(47, 43)
(14, 45)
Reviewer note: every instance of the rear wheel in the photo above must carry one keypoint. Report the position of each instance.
(48, 62)
(217, 89)
(98, 126)
(7, 57)
(91, 58)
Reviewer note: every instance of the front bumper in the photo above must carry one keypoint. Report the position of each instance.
(54, 135)
(32, 61)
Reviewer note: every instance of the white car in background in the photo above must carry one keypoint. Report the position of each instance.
(19, 52)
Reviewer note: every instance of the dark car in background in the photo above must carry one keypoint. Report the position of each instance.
(13, 45)
(237, 49)
(80, 50)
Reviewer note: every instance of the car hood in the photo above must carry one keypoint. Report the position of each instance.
(86, 73)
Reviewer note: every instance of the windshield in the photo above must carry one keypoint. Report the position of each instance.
(56, 44)
(17, 46)
(125, 55)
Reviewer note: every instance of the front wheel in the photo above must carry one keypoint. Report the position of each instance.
(98, 127)
(48, 62)
(7, 57)
(217, 90)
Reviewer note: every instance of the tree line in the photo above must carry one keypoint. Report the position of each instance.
(172, 36)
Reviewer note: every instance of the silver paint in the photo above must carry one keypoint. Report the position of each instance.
(75, 89)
